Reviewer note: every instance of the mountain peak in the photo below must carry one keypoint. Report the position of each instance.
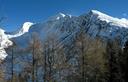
(61, 14)
(97, 12)
(122, 22)
(26, 26)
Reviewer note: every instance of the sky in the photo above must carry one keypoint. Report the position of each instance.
(16, 12)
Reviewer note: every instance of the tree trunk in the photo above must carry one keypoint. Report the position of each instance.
(33, 63)
(12, 64)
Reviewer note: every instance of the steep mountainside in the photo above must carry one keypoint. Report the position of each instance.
(66, 27)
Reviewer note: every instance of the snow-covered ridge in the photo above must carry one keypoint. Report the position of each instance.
(25, 28)
(114, 21)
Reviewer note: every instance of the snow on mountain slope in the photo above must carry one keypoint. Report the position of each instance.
(105, 26)
(61, 14)
(67, 27)
(115, 21)
(4, 43)
(24, 29)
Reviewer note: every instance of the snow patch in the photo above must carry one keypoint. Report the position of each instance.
(70, 16)
(58, 18)
(63, 15)
(60, 15)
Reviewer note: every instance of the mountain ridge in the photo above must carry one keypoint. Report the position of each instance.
(66, 27)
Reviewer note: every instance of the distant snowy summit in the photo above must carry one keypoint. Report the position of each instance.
(67, 27)
(59, 16)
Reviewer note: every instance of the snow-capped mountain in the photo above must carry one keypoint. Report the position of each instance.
(66, 27)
